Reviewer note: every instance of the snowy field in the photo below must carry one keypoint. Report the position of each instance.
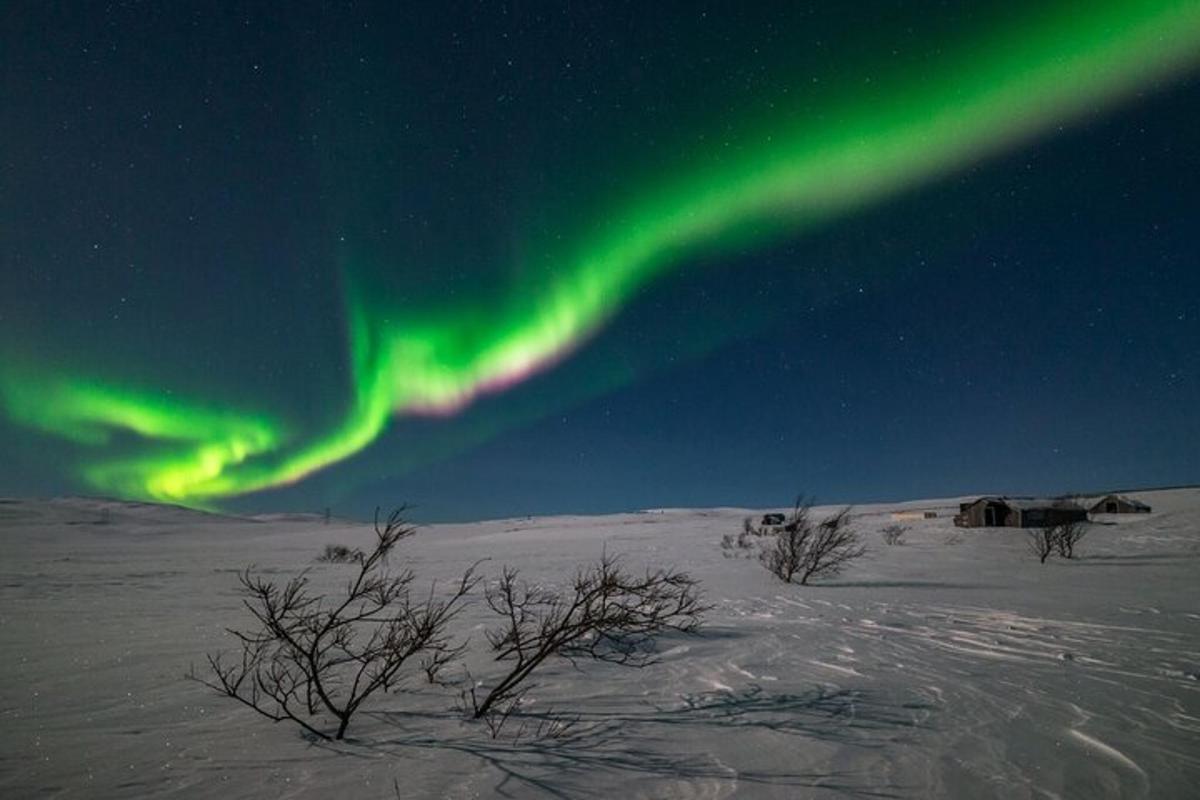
(954, 666)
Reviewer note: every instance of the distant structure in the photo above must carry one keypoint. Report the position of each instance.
(1119, 504)
(772, 519)
(1018, 512)
(901, 516)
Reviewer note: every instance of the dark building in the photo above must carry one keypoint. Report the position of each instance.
(1119, 504)
(1017, 512)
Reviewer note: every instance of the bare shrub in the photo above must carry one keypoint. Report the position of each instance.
(1061, 539)
(893, 534)
(547, 727)
(731, 546)
(801, 550)
(750, 531)
(607, 614)
(741, 545)
(341, 554)
(539, 727)
(312, 657)
(785, 555)
(1067, 537)
(953, 539)
(1042, 541)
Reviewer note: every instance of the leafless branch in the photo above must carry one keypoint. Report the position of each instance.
(1068, 536)
(310, 658)
(893, 535)
(607, 614)
(1042, 541)
(800, 549)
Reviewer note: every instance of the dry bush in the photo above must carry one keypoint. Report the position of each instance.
(787, 551)
(1061, 539)
(607, 614)
(341, 554)
(741, 545)
(1068, 536)
(893, 534)
(1042, 541)
(311, 657)
(801, 550)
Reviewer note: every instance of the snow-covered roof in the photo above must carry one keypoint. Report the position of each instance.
(1119, 498)
(1026, 503)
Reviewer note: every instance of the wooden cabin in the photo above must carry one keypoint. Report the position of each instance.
(1119, 504)
(1018, 512)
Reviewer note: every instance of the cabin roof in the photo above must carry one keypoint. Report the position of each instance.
(1119, 498)
(1027, 503)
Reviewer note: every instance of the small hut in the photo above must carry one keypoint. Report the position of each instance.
(1119, 504)
(1017, 512)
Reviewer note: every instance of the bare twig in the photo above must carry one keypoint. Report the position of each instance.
(893, 535)
(1069, 534)
(309, 658)
(1042, 541)
(800, 550)
(607, 615)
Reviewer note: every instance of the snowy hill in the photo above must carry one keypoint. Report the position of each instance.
(953, 666)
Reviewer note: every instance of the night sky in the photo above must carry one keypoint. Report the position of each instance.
(500, 259)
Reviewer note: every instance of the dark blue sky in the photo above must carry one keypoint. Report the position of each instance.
(182, 188)
(1029, 327)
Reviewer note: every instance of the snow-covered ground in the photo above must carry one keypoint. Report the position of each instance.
(953, 666)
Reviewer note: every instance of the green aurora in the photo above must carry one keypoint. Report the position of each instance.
(983, 96)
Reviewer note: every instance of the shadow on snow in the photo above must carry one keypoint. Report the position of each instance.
(568, 765)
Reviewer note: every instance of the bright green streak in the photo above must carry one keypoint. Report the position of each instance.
(182, 445)
(986, 96)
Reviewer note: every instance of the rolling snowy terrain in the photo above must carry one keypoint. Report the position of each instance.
(953, 666)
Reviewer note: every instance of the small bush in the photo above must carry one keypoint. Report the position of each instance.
(1060, 539)
(801, 550)
(742, 544)
(893, 535)
(608, 614)
(311, 659)
(1042, 541)
(341, 554)
(1068, 536)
